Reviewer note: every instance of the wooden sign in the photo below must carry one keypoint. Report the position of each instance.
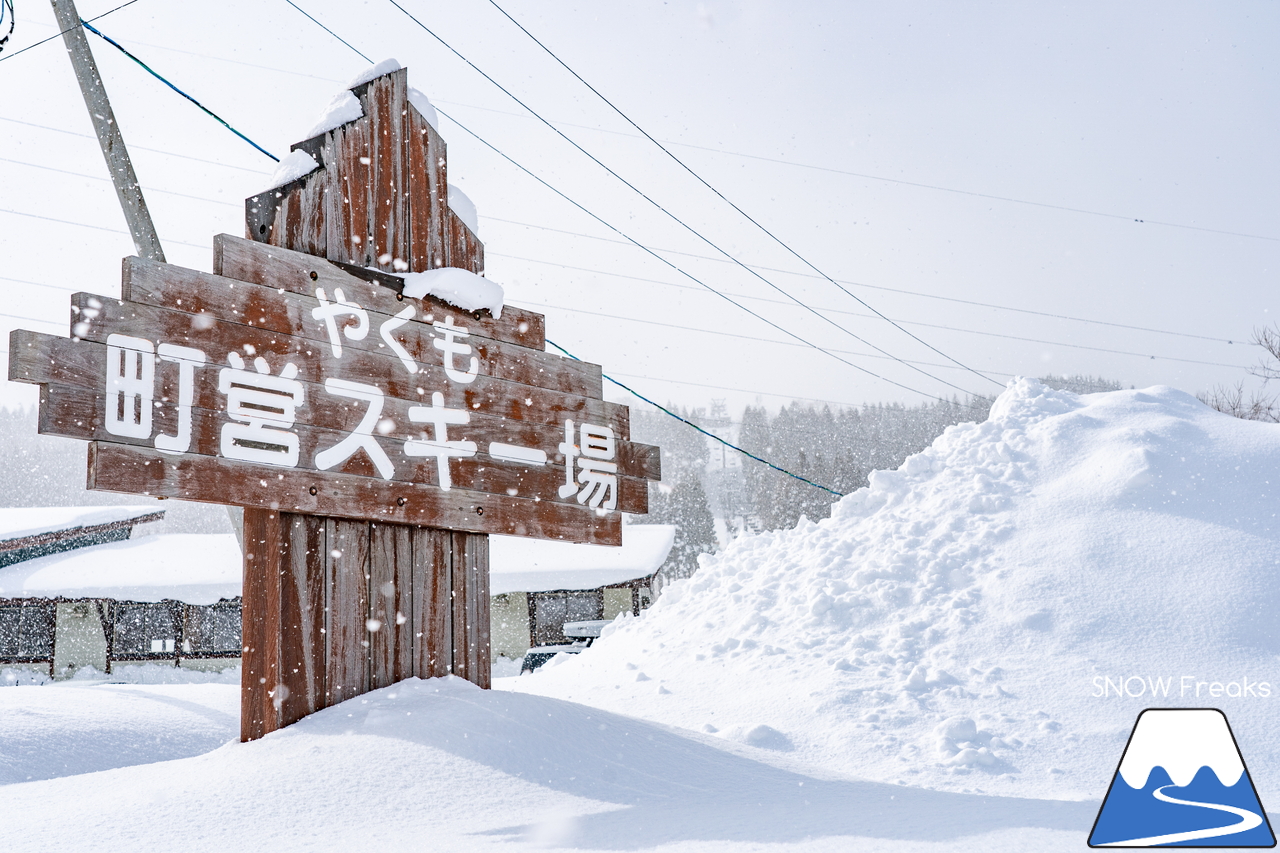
(373, 437)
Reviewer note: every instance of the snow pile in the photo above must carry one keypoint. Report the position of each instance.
(459, 287)
(958, 623)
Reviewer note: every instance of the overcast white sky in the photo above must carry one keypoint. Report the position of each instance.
(872, 138)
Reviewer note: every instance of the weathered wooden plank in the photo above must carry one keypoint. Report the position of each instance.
(462, 594)
(432, 579)
(478, 642)
(281, 268)
(497, 407)
(140, 470)
(302, 608)
(77, 412)
(346, 631)
(465, 249)
(238, 303)
(390, 604)
(261, 627)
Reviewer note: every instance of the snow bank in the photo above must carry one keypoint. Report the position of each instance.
(955, 624)
(459, 287)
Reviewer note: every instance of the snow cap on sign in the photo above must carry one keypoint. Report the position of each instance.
(342, 108)
(294, 165)
(461, 204)
(373, 72)
(423, 106)
(459, 287)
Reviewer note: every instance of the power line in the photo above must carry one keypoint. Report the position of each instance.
(159, 77)
(688, 275)
(329, 31)
(136, 147)
(851, 313)
(775, 238)
(87, 225)
(846, 281)
(60, 32)
(707, 433)
(108, 180)
(614, 381)
(1123, 217)
(659, 206)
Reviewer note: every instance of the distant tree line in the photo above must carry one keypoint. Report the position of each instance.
(835, 448)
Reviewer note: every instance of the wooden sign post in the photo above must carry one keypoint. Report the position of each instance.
(374, 439)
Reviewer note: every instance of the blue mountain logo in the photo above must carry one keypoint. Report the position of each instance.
(1182, 783)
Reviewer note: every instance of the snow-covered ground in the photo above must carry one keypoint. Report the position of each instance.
(442, 765)
(922, 672)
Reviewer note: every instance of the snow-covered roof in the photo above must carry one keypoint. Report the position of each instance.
(190, 567)
(25, 522)
(536, 565)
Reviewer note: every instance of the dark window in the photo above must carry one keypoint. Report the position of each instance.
(552, 609)
(146, 630)
(26, 631)
(212, 630)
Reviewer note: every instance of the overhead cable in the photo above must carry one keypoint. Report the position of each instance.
(9, 3)
(774, 237)
(846, 281)
(663, 209)
(707, 433)
(91, 28)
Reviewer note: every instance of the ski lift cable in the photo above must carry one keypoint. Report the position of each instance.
(774, 237)
(707, 433)
(657, 205)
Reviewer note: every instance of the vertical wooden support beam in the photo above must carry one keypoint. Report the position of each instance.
(391, 604)
(302, 606)
(347, 633)
(261, 628)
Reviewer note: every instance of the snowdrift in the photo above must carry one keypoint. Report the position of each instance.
(991, 616)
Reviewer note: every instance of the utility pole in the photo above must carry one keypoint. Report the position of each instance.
(145, 240)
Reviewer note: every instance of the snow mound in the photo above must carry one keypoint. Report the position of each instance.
(959, 623)
(459, 287)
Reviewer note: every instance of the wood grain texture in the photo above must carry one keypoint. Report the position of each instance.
(347, 632)
(391, 603)
(303, 604)
(261, 625)
(214, 307)
(432, 579)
